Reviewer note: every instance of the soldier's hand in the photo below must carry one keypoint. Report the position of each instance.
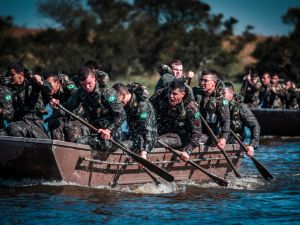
(104, 133)
(190, 74)
(54, 103)
(250, 150)
(38, 79)
(184, 156)
(221, 143)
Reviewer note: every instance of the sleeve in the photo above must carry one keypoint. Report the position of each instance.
(73, 101)
(224, 115)
(115, 108)
(7, 105)
(249, 120)
(194, 121)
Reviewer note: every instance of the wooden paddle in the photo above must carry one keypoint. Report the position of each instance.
(215, 178)
(262, 170)
(223, 152)
(144, 162)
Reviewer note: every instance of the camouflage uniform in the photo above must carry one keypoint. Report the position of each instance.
(6, 106)
(250, 91)
(269, 99)
(241, 116)
(140, 117)
(65, 128)
(29, 109)
(183, 119)
(102, 109)
(215, 110)
(291, 99)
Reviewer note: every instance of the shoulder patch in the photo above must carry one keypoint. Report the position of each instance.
(225, 102)
(71, 87)
(197, 115)
(111, 99)
(143, 115)
(7, 97)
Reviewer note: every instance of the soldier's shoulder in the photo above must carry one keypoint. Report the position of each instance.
(222, 101)
(158, 93)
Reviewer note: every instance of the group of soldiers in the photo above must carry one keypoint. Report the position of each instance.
(174, 114)
(269, 91)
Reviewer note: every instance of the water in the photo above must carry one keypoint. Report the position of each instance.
(250, 200)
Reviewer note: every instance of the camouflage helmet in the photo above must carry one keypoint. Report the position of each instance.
(163, 69)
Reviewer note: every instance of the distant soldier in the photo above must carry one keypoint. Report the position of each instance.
(277, 92)
(28, 104)
(140, 117)
(292, 95)
(101, 107)
(6, 107)
(241, 116)
(176, 115)
(63, 128)
(213, 106)
(250, 89)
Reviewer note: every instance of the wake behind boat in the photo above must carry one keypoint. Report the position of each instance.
(75, 163)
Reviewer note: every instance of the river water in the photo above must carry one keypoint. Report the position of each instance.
(249, 200)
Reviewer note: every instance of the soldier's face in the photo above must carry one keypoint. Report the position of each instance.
(266, 79)
(89, 84)
(175, 96)
(124, 98)
(228, 94)
(54, 84)
(207, 84)
(288, 85)
(16, 78)
(275, 79)
(177, 70)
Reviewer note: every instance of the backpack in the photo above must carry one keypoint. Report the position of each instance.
(139, 90)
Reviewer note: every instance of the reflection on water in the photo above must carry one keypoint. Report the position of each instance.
(246, 201)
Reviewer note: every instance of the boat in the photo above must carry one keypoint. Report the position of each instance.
(74, 163)
(278, 122)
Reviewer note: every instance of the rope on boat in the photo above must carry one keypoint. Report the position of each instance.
(154, 162)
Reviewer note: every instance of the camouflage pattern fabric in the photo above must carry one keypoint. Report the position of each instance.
(6, 107)
(250, 91)
(270, 99)
(291, 99)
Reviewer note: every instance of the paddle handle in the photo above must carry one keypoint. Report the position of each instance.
(223, 152)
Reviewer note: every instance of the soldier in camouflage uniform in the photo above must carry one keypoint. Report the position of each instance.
(6, 107)
(250, 89)
(241, 116)
(291, 95)
(101, 107)
(178, 116)
(63, 128)
(213, 106)
(28, 104)
(271, 92)
(140, 117)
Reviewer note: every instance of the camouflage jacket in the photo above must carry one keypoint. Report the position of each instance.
(101, 107)
(270, 99)
(27, 101)
(291, 98)
(215, 110)
(141, 121)
(183, 119)
(250, 91)
(6, 105)
(241, 116)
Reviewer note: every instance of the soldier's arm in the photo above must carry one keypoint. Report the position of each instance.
(146, 125)
(73, 101)
(7, 109)
(250, 121)
(224, 115)
(194, 120)
(115, 107)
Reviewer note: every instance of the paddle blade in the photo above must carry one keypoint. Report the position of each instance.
(262, 170)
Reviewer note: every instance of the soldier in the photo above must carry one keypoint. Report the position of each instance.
(177, 116)
(28, 104)
(241, 116)
(101, 107)
(265, 90)
(292, 95)
(213, 106)
(140, 117)
(250, 89)
(63, 128)
(277, 92)
(6, 108)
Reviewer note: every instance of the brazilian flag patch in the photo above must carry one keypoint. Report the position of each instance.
(144, 115)
(7, 97)
(71, 86)
(197, 115)
(111, 99)
(225, 102)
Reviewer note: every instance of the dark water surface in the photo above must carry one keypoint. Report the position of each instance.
(249, 200)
